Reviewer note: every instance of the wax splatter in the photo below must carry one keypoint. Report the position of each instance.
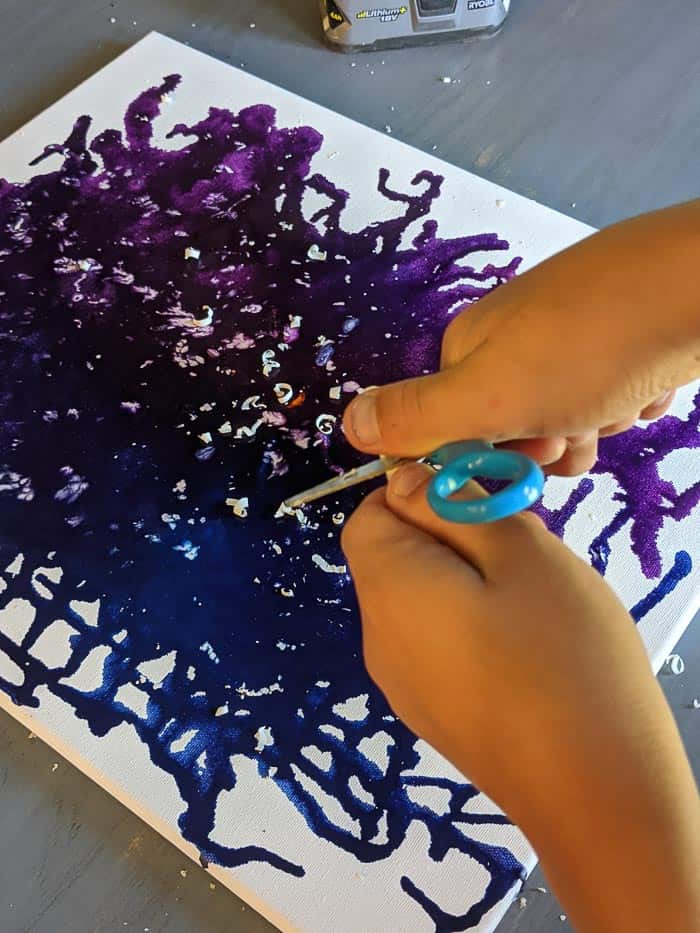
(645, 499)
(180, 329)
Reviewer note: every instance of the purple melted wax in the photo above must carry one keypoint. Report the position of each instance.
(646, 500)
(174, 332)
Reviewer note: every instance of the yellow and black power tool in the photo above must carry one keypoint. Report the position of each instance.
(354, 25)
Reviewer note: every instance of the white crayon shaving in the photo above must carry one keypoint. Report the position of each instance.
(239, 506)
(323, 564)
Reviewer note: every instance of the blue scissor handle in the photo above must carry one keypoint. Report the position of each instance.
(462, 462)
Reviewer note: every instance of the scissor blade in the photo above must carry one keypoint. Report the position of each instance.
(338, 484)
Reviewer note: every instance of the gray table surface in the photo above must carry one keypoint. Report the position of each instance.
(590, 108)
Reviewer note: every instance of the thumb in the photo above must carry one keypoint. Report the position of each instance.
(384, 551)
(414, 417)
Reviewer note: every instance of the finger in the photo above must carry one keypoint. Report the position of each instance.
(580, 456)
(405, 418)
(658, 408)
(653, 411)
(414, 417)
(484, 546)
(543, 450)
(619, 427)
(465, 332)
(384, 552)
(411, 589)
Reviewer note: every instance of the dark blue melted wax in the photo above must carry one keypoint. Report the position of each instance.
(176, 330)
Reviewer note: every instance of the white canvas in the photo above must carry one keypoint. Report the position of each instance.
(339, 890)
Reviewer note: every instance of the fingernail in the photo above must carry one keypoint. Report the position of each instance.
(364, 421)
(407, 479)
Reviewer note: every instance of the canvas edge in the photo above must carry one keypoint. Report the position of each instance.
(509, 899)
(167, 831)
(659, 649)
(23, 716)
(156, 38)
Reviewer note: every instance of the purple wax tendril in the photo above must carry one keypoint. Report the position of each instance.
(646, 499)
(165, 323)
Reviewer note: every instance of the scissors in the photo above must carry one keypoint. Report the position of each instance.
(457, 464)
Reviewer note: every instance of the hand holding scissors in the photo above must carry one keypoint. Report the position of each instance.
(457, 464)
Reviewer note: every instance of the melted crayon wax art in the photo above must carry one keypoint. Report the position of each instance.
(178, 338)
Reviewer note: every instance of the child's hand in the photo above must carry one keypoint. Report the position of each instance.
(579, 347)
(514, 659)
(493, 642)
